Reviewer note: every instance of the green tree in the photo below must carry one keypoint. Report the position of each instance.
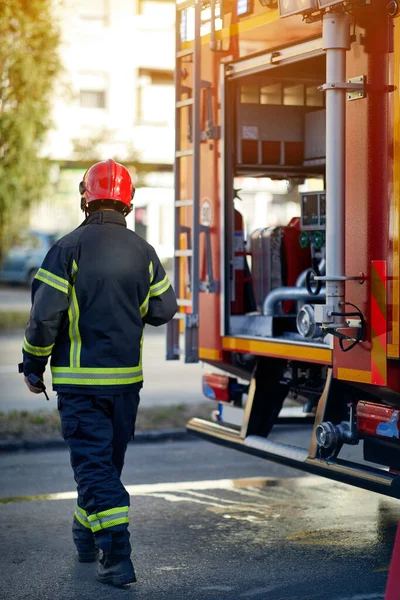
(29, 66)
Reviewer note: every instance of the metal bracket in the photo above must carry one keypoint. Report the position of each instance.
(355, 86)
(210, 284)
(353, 323)
(358, 90)
(213, 132)
(274, 58)
(191, 321)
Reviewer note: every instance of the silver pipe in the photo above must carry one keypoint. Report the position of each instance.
(301, 280)
(196, 158)
(336, 42)
(288, 293)
(213, 43)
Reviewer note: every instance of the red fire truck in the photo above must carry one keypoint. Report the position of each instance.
(298, 320)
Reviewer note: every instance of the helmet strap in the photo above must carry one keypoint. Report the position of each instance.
(84, 207)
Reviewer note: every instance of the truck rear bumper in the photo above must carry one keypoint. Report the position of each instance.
(375, 480)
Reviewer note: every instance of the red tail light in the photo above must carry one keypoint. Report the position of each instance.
(216, 387)
(377, 420)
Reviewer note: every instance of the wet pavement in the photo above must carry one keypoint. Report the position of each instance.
(207, 523)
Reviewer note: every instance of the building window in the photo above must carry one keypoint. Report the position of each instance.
(92, 99)
(92, 90)
(164, 9)
(94, 12)
(156, 97)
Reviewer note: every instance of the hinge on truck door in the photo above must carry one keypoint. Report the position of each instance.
(211, 131)
(210, 284)
(191, 321)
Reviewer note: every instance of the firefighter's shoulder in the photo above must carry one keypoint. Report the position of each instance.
(70, 239)
(141, 243)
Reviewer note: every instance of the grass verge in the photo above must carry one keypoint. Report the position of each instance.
(13, 320)
(43, 424)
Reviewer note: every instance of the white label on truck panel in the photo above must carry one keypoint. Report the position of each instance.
(249, 132)
(206, 213)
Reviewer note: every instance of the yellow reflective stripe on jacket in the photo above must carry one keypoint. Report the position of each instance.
(141, 348)
(73, 315)
(74, 271)
(155, 290)
(159, 288)
(144, 307)
(96, 376)
(81, 516)
(109, 518)
(53, 280)
(151, 271)
(37, 350)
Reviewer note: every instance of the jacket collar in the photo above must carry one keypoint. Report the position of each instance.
(106, 216)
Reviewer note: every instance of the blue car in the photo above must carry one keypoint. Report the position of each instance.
(23, 260)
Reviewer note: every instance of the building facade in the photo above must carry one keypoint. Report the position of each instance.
(114, 99)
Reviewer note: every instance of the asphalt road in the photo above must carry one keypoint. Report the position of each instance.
(202, 529)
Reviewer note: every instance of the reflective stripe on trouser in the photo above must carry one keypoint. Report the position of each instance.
(109, 518)
(97, 430)
(81, 516)
(82, 535)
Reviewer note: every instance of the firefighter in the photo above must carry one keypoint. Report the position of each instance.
(97, 288)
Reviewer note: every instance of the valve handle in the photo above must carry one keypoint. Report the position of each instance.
(313, 287)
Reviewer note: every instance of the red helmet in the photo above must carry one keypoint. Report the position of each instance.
(107, 180)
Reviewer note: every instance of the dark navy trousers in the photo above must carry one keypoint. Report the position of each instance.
(97, 430)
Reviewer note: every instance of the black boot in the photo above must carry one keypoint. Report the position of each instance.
(116, 569)
(84, 542)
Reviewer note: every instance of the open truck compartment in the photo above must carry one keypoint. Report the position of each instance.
(279, 128)
(298, 310)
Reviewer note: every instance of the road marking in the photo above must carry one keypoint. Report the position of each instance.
(162, 569)
(160, 488)
(218, 588)
(381, 570)
(250, 505)
(363, 597)
(260, 592)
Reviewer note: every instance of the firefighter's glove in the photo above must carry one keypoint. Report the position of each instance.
(32, 388)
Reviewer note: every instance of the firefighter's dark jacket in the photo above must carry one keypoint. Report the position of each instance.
(97, 288)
